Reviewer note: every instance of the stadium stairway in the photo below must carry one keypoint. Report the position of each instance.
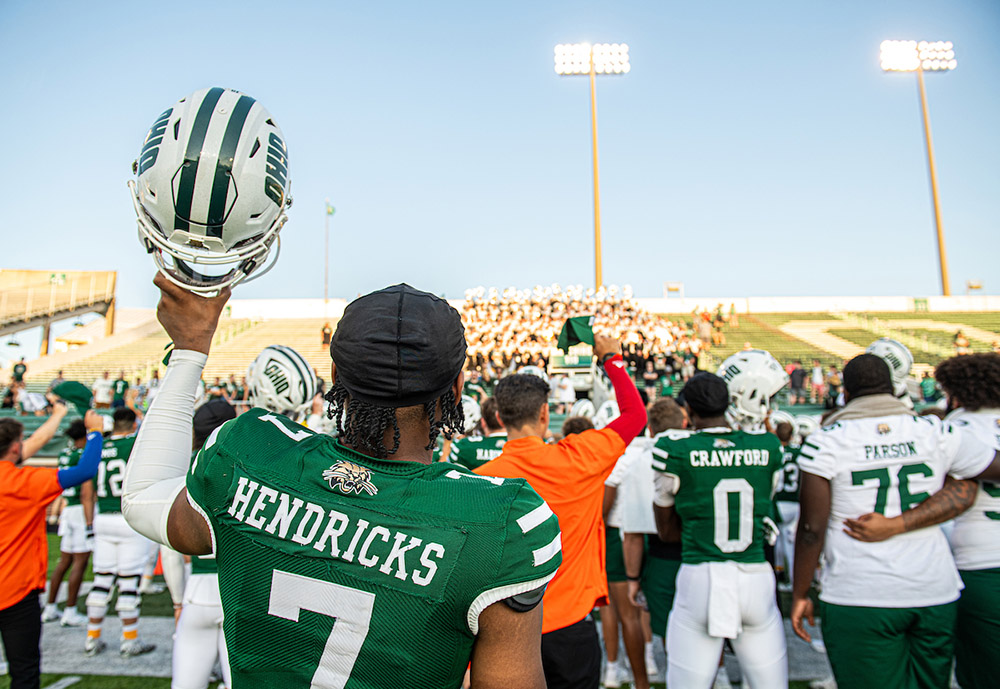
(301, 334)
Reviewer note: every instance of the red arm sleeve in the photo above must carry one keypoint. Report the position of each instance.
(632, 413)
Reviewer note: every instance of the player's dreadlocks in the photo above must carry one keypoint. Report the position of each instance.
(363, 426)
(972, 379)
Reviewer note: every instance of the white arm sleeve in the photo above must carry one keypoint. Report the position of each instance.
(159, 463)
(173, 573)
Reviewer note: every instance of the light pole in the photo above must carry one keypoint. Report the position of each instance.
(937, 56)
(601, 58)
(326, 254)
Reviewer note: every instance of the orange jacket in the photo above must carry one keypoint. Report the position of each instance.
(570, 478)
(24, 552)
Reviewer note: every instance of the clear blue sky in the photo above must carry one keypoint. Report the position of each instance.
(754, 149)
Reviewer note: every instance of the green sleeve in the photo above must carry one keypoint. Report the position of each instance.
(532, 552)
(211, 471)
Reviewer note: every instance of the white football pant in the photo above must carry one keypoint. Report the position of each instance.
(693, 655)
(789, 512)
(199, 640)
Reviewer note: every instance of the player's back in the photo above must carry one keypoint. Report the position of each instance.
(474, 451)
(975, 540)
(70, 457)
(111, 472)
(886, 464)
(341, 570)
(726, 478)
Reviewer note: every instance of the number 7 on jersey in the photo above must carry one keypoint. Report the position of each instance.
(350, 608)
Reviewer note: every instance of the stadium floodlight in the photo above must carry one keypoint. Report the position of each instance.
(920, 57)
(601, 58)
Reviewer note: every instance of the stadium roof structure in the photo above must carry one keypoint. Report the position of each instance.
(32, 298)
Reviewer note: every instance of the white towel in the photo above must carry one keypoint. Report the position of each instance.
(724, 619)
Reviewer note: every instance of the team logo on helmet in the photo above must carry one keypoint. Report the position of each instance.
(349, 477)
(883, 429)
(723, 443)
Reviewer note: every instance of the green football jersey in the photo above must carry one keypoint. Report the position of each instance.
(70, 457)
(724, 482)
(204, 564)
(788, 485)
(111, 472)
(339, 570)
(475, 451)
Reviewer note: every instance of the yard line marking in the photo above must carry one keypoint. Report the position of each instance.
(64, 682)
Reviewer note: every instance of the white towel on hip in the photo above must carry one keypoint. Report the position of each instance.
(724, 619)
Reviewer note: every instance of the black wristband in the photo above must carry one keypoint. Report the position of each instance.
(633, 578)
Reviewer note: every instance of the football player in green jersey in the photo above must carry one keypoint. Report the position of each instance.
(719, 481)
(787, 498)
(352, 562)
(76, 529)
(119, 552)
(475, 450)
(199, 641)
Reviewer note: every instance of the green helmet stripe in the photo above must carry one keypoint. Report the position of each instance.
(224, 166)
(185, 190)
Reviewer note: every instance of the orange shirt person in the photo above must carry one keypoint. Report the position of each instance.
(24, 494)
(569, 476)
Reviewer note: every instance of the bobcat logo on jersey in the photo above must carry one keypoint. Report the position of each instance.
(723, 443)
(348, 477)
(883, 429)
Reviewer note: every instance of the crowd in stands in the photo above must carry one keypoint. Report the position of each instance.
(513, 328)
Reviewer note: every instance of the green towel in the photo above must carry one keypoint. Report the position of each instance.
(576, 330)
(77, 394)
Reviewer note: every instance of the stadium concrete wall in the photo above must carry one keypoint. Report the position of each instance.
(977, 303)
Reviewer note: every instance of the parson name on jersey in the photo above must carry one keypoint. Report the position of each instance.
(334, 533)
(891, 451)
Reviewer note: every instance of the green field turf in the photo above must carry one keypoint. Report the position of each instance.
(154, 605)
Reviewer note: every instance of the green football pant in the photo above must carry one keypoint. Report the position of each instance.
(614, 557)
(659, 577)
(977, 636)
(890, 648)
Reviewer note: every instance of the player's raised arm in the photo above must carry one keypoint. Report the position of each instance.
(632, 414)
(154, 499)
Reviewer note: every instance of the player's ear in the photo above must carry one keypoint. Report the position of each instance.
(333, 373)
(457, 386)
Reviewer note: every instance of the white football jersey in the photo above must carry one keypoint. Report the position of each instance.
(635, 495)
(975, 540)
(638, 451)
(889, 464)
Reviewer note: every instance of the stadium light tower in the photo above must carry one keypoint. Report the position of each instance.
(937, 56)
(600, 58)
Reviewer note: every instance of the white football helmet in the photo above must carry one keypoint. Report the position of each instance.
(806, 425)
(583, 407)
(280, 380)
(605, 414)
(899, 359)
(534, 371)
(778, 416)
(211, 190)
(753, 377)
(473, 413)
